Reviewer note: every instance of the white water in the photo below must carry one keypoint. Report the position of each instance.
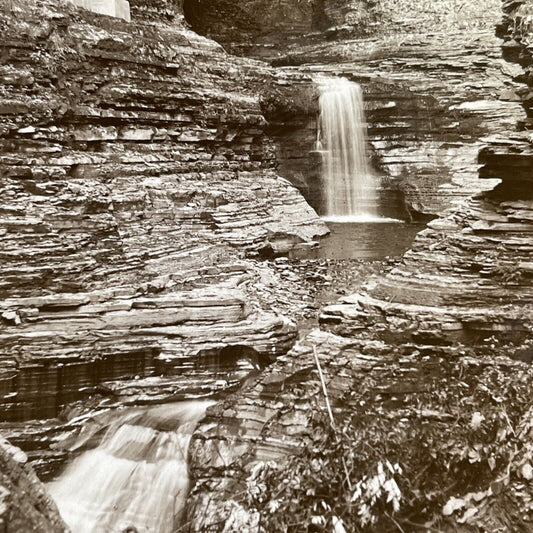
(137, 477)
(349, 186)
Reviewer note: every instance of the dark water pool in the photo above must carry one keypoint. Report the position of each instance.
(364, 240)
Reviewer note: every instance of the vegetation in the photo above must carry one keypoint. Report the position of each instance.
(454, 455)
(523, 22)
(444, 14)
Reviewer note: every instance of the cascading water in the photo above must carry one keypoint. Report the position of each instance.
(136, 480)
(349, 186)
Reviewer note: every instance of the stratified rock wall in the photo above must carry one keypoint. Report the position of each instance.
(272, 29)
(136, 177)
(445, 337)
(455, 312)
(429, 101)
(433, 76)
(258, 27)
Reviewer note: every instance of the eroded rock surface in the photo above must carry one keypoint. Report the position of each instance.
(433, 76)
(454, 315)
(139, 190)
(25, 507)
(135, 171)
(139, 186)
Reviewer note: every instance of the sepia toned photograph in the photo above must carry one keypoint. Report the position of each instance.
(266, 266)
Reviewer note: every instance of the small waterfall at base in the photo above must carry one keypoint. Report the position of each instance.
(349, 186)
(136, 480)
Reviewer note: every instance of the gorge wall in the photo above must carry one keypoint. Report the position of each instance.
(139, 188)
(430, 102)
(140, 171)
(259, 27)
(434, 80)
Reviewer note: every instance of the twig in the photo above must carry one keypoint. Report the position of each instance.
(332, 420)
(324, 389)
(347, 474)
(395, 522)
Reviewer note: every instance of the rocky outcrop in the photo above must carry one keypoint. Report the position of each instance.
(430, 103)
(24, 505)
(434, 81)
(140, 185)
(452, 315)
(263, 28)
(431, 99)
(181, 343)
(411, 401)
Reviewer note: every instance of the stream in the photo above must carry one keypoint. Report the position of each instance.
(136, 479)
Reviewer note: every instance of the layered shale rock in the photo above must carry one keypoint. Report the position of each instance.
(24, 505)
(263, 28)
(442, 336)
(434, 81)
(68, 346)
(433, 89)
(430, 102)
(414, 404)
(138, 186)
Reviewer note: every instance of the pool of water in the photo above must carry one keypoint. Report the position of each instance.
(365, 240)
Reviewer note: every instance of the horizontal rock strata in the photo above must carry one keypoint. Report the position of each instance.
(431, 101)
(138, 183)
(401, 394)
(434, 81)
(70, 346)
(459, 301)
(455, 313)
(439, 348)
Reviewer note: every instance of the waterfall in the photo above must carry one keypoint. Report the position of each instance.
(349, 186)
(136, 480)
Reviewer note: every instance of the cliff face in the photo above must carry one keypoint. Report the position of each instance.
(137, 182)
(140, 186)
(271, 29)
(430, 101)
(428, 362)
(445, 337)
(259, 27)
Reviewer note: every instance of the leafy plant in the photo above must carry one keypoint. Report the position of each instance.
(523, 22)
(454, 455)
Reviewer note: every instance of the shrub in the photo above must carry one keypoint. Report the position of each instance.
(455, 455)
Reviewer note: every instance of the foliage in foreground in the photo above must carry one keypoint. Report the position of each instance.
(461, 462)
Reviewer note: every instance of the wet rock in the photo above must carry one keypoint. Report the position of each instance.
(430, 102)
